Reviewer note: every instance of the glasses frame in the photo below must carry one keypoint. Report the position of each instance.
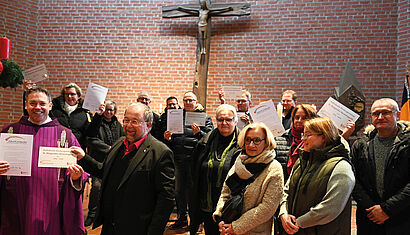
(256, 140)
(384, 113)
(134, 123)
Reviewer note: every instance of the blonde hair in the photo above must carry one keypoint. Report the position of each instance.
(247, 94)
(71, 85)
(269, 138)
(323, 126)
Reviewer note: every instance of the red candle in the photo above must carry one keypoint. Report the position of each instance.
(4, 48)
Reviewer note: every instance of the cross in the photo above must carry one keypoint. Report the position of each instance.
(204, 11)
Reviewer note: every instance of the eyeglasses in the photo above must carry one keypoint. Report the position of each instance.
(256, 140)
(384, 113)
(143, 98)
(287, 101)
(227, 120)
(70, 94)
(133, 122)
(172, 104)
(241, 101)
(307, 135)
(189, 100)
(110, 110)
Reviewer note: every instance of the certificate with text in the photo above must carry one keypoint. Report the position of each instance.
(195, 117)
(232, 92)
(95, 97)
(56, 157)
(266, 113)
(17, 149)
(36, 74)
(338, 113)
(175, 121)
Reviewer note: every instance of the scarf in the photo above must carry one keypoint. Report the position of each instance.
(246, 167)
(69, 109)
(213, 154)
(296, 144)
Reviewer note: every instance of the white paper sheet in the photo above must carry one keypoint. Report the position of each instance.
(56, 157)
(175, 121)
(232, 92)
(95, 97)
(267, 114)
(195, 117)
(338, 113)
(17, 149)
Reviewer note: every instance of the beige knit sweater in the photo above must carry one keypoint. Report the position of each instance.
(261, 197)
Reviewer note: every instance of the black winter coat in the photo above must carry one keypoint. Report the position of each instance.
(77, 121)
(282, 149)
(201, 154)
(101, 135)
(183, 144)
(395, 201)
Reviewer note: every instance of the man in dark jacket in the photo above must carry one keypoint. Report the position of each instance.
(171, 103)
(382, 162)
(183, 145)
(288, 102)
(137, 179)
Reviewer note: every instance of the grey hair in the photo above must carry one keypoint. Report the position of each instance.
(143, 93)
(227, 107)
(148, 115)
(388, 100)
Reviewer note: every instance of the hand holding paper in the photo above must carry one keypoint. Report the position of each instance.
(78, 152)
(76, 171)
(4, 167)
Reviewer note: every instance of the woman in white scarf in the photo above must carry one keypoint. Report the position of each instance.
(262, 195)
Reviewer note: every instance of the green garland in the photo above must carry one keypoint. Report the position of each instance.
(12, 74)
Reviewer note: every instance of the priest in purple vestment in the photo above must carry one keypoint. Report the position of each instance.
(49, 202)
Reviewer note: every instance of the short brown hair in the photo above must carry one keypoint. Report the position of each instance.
(309, 110)
(323, 126)
(37, 89)
(291, 92)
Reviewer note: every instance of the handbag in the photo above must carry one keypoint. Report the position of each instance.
(232, 208)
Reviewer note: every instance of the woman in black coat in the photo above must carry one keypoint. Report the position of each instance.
(213, 156)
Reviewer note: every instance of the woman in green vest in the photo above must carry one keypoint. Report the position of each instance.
(316, 198)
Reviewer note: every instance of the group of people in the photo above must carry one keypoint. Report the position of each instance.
(297, 183)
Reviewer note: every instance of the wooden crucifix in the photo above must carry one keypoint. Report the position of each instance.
(204, 11)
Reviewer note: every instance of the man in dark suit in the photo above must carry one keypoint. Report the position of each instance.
(137, 179)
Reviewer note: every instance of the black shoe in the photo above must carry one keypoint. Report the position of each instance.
(180, 223)
(88, 221)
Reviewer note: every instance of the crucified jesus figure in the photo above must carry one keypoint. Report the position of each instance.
(204, 12)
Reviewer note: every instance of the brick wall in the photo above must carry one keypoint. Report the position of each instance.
(127, 46)
(403, 42)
